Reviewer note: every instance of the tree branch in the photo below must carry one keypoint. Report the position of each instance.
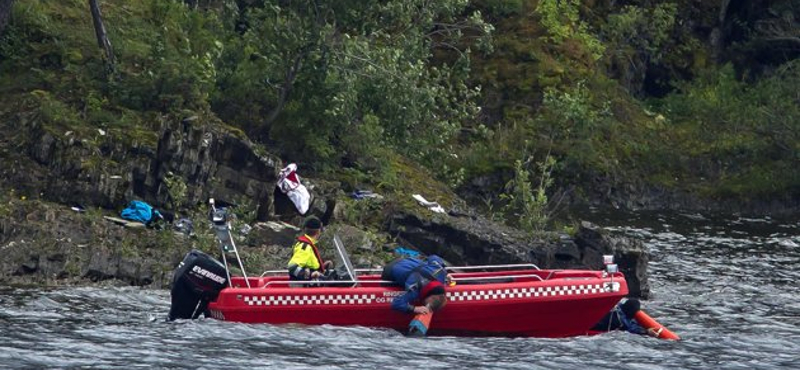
(791, 39)
(447, 45)
(102, 36)
(285, 90)
(5, 13)
(368, 61)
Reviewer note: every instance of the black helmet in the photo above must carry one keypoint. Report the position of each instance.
(312, 223)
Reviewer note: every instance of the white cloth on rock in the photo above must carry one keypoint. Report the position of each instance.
(290, 184)
(433, 206)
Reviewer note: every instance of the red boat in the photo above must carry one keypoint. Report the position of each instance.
(527, 303)
(502, 300)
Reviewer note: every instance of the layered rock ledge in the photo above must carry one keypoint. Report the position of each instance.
(43, 240)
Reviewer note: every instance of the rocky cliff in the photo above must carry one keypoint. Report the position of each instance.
(44, 240)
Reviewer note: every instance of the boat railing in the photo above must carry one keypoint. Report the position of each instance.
(281, 272)
(467, 280)
(324, 282)
(495, 267)
(449, 268)
(468, 268)
(493, 278)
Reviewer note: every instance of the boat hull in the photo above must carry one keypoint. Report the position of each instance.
(566, 303)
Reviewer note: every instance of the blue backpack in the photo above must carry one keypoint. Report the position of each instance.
(139, 211)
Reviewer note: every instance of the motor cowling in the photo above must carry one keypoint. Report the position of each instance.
(197, 281)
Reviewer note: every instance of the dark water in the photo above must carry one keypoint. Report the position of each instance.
(728, 286)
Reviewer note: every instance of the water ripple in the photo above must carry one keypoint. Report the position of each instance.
(728, 286)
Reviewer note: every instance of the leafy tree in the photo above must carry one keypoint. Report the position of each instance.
(761, 35)
(562, 20)
(741, 137)
(341, 80)
(173, 68)
(636, 38)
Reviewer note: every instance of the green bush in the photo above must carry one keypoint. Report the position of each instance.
(562, 20)
(530, 204)
(640, 32)
(744, 133)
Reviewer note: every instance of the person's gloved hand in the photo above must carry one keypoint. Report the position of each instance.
(423, 310)
(315, 275)
(653, 332)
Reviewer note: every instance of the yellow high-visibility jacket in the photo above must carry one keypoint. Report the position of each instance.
(306, 255)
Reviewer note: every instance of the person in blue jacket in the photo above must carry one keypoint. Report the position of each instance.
(424, 281)
(621, 317)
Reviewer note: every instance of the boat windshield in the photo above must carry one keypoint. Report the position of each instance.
(343, 260)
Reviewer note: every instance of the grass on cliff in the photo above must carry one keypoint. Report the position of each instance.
(53, 73)
(560, 81)
(717, 134)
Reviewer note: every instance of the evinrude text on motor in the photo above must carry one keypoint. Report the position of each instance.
(197, 281)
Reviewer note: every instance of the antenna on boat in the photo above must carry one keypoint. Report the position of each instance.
(222, 227)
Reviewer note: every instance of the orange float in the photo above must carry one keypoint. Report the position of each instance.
(420, 324)
(653, 327)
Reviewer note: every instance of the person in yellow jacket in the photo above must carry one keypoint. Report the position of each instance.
(306, 262)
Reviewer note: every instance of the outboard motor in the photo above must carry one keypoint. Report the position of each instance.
(197, 281)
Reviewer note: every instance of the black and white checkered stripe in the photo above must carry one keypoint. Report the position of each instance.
(472, 295)
(551, 291)
(285, 300)
(217, 314)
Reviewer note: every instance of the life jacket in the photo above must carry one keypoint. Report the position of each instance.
(431, 287)
(305, 240)
(400, 269)
(436, 268)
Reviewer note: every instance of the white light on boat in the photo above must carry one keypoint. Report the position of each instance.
(612, 268)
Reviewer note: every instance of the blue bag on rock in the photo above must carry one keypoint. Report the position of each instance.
(139, 211)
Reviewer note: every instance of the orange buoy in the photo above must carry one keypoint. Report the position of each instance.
(420, 324)
(653, 327)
